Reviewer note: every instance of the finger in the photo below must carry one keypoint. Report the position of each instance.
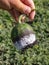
(18, 5)
(32, 15)
(15, 14)
(29, 3)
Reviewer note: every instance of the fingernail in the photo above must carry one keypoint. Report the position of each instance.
(27, 10)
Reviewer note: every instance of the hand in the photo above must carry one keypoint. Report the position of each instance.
(17, 7)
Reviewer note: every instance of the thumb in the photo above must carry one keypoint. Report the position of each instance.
(21, 7)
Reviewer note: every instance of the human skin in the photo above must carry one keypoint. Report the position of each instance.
(17, 7)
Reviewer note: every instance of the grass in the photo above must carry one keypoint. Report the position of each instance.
(39, 53)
